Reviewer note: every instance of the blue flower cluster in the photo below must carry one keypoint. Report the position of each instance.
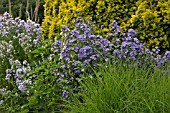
(74, 51)
(20, 72)
(27, 33)
(17, 38)
(127, 46)
(80, 46)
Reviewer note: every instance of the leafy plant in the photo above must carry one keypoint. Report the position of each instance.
(17, 39)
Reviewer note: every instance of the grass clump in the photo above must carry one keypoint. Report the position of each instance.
(122, 88)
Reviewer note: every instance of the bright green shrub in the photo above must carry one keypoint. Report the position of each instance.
(151, 21)
(58, 12)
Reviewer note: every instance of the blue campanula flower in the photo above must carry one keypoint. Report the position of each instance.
(93, 57)
(74, 32)
(56, 51)
(78, 71)
(105, 42)
(84, 51)
(156, 50)
(114, 25)
(72, 40)
(116, 41)
(159, 60)
(128, 38)
(63, 66)
(87, 61)
(135, 40)
(65, 94)
(1, 102)
(131, 32)
(167, 55)
(110, 35)
(21, 87)
(51, 55)
(57, 43)
(67, 59)
(77, 20)
(117, 31)
(63, 53)
(65, 28)
(107, 59)
(117, 53)
(81, 37)
(105, 50)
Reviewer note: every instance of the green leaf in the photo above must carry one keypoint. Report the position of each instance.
(36, 51)
(24, 111)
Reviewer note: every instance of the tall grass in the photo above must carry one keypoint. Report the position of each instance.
(123, 88)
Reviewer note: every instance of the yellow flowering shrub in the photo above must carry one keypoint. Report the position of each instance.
(151, 21)
(58, 12)
(149, 18)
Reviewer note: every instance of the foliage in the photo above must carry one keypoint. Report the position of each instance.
(1, 9)
(119, 87)
(148, 18)
(17, 40)
(151, 21)
(39, 76)
(46, 91)
(58, 12)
